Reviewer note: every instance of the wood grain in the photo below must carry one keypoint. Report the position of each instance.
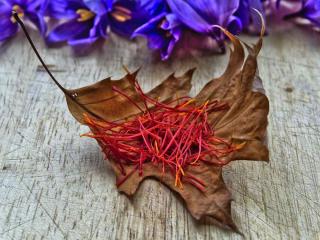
(56, 185)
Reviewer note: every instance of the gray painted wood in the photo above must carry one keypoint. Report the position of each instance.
(56, 185)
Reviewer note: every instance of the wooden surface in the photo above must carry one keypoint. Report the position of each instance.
(56, 185)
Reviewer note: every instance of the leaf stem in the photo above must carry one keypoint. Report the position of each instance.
(17, 18)
(65, 91)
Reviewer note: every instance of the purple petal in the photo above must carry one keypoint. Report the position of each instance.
(150, 31)
(171, 22)
(154, 7)
(35, 4)
(176, 33)
(37, 19)
(200, 15)
(243, 12)
(64, 9)
(150, 26)
(68, 31)
(94, 31)
(103, 25)
(5, 8)
(189, 16)
(234, 25)
(7, 27)
(248, 16)
(155, 41)
(13, 2)
(215, 11)
(97, 6)
(109, 4)
(311, 10)
(166, 51)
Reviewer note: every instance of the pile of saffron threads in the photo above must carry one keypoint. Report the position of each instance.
(173, 136)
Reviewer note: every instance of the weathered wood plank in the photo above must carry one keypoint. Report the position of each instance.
(56, 185)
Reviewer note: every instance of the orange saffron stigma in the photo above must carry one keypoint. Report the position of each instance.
(173, 136)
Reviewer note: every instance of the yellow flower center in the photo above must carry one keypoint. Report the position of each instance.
(19, 11)
(121, 14)
(84, 15)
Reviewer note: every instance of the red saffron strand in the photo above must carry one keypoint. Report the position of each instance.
(174, 136)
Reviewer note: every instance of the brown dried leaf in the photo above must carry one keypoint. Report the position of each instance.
(243, 124)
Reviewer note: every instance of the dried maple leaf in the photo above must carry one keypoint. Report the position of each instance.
(243, 125)
(245, 122)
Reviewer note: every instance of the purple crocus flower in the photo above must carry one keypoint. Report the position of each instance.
(128, 15)
(85, 21)
(201, 15)
(250, 20)
(310, 10)
(32, 10)
(162, 32)
(88, 20)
